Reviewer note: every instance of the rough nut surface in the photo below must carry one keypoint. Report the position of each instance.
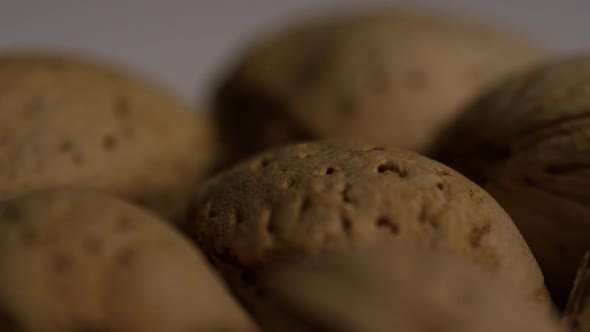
(577, 313)
(68, 121)
(528, 142)
(302, 199)
(396, 289)
(75, 260)
(392, 77)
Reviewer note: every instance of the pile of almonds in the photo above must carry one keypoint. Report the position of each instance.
(377, 171)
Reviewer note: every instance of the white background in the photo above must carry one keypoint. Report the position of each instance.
(185, 43)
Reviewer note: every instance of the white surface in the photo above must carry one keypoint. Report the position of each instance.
(185, 43)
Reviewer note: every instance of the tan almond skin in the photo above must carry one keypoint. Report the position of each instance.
(74, 260)
(384, 288)
(303, 199)
(66, 120)
(527, 141)
(390, 77)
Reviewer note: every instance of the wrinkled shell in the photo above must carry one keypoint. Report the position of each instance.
(393, 78)
(80, 261)
(577, 312)
(396, 289)
(65, 121)
(302, 199)
(528, 142)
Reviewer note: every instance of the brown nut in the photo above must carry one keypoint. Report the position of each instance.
(527, 141)
(302, 199)
(396, 289)
(68, 121)
(75, 260)
(392, 77)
